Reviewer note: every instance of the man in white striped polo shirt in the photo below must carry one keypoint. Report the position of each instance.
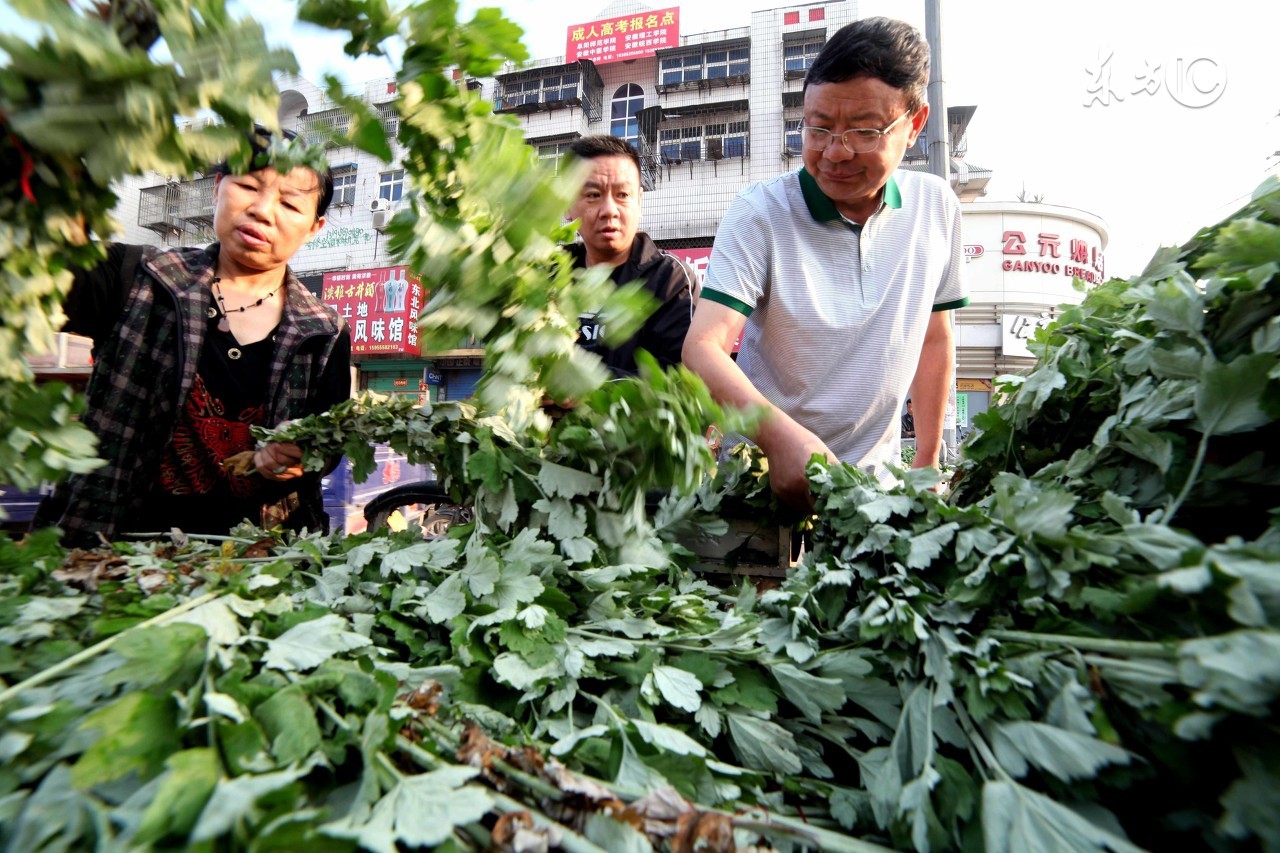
(840, 276)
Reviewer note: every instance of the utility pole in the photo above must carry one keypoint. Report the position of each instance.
(936, 130)
(938, 133)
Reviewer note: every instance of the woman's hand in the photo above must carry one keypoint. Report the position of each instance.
(279, 461)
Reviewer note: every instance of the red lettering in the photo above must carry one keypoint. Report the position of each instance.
(1049, 245)
(1014, 243)
(1079, 252)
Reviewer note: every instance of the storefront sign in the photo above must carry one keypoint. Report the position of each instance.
(1031, 254)
(434, 377)
(633, 36)
(973, 385)
(380, 305)
(1049, 253)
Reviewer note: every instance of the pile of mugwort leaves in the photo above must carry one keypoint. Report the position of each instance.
(1039, 661)
(1078, 649)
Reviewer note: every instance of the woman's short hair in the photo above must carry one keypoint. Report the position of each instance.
(260, 139)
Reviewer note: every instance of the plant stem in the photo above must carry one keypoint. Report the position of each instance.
(823, 839)
(1194, 475)
(571, 841)
(978, 742)
(98, 648)
(1095, 644)
(515, 774)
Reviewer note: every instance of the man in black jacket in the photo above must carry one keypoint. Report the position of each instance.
(608, 207)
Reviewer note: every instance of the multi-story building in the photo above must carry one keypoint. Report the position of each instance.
(710, 113)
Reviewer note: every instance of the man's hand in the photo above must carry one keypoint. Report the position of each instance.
(789, 448)
(279, 461)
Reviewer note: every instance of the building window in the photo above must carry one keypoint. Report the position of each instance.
(344, 186)
(727, 140)
(817, 15)
(627, 101)
(553, 154)
(728, 63)
(681, 69)
(390, 119)
(715, 64)
(791, 143)
(560, 87)
(798, 57)
(680, 143)
(391, 185)
(540, 89)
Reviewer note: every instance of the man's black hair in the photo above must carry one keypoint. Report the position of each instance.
(260, 140)
(591, 147)
(891, 51)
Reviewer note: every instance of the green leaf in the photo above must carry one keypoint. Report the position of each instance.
(420, 811)
(763, 745)
(1066, 754)
(447, 600)
(1164, 547)
(235, 799)
(1229, 396)
(290, 723)
(561, 481)
(1240, 670)
(437, 554)
(1016, 818)
(156, 654)
(668, 738)
(512, 669)
(137, 732)
(750, 689)
(309, 644)
(1177, 304)
(813, 695)
(678, 687)
(615, 836)
(184, 789)
(925, 547)
(1252, 803)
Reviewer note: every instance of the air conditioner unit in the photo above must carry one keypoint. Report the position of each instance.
(381, 217)
(379, 205)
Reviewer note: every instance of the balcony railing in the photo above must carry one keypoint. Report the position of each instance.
(324, 128)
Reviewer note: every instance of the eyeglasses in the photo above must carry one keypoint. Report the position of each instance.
(858, 140)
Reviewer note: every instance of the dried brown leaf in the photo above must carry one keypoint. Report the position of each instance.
(426, 699)
(240, 465)
(707, 832)
(86, 570)
(478, 750)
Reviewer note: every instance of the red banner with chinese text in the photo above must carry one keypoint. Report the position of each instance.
(623, 37)
(380, 305)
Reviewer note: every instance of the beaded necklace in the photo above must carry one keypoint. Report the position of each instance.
(223, 324)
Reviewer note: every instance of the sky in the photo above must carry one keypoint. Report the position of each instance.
(1158, 117)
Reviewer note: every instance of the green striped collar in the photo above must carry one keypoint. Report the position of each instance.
(823, 209)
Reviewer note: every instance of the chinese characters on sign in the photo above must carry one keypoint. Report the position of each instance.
(1193, 83)
(1082, 260)
(380, 305)
(1017, 329)
(624, 37)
